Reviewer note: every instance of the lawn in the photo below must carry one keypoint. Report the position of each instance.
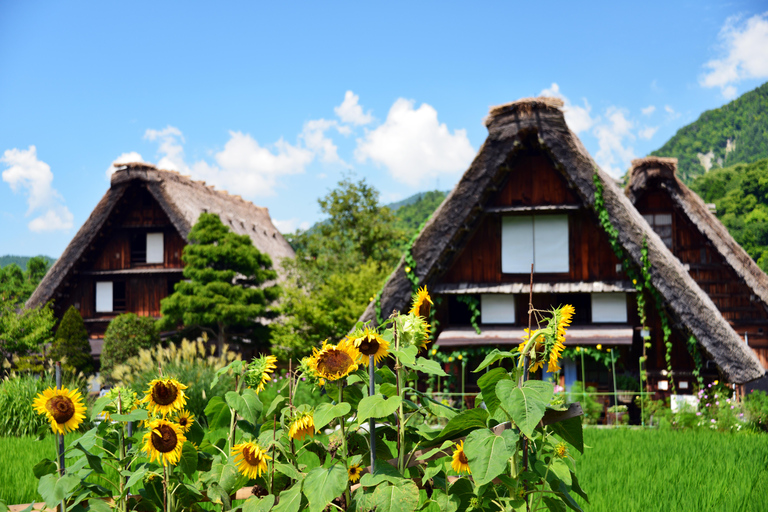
(627, 470)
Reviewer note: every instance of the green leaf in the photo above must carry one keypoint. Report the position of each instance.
(223, 474)
(561, 471)
(492, 357)
(44, 467)
(432, 471)
(309, 459)
(427, 366)
(527, 404)
(98, 406)
(94, 461)
(487, 383)
(289, 471)
(447, 503)
(385, 472)
(575, 487)
(256, 504)
(377, 406)
(137, 415)
(217, 413)
(554, 504)
(325, 413)
(396, 498)
(273, 407)
(218, 495)
(406, 355)
(196, 433)
(571, 431)
(247, 405)
(461, 424)
(487, 454)
(136, 475)
(290, 500)
(386, 374)
(54, 489)
(388, 389)
(322, 485)
(188, 459)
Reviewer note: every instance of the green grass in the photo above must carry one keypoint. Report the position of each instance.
(641, 470)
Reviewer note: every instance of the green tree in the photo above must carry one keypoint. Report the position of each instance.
(225, 292)
(71, 342)
(126, 335)
(16, 284)
(24, 330)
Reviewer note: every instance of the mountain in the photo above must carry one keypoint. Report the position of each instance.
(412, 211)
(22, 260)
(734, 133)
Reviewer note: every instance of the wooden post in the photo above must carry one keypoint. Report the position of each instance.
(60, 437)
(372, 421)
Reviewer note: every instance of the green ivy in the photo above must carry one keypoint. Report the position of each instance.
(474, 309)
(693, 349)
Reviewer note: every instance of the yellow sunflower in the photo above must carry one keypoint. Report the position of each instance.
(354, 472)
(251, 459)
(258, 371)
(303, 425)
(165, 396)
(163, 441)
(460, 463)
(422, 304)
(333, 362)
(369, 343)
(184, 419)
(63, 408)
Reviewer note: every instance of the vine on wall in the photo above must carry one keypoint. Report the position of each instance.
(474, 309)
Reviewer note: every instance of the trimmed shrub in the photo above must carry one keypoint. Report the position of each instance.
(70, 344)
(126, 335)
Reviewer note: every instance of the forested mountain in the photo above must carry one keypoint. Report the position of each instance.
(734, 133)
(411, 212)
(21, 261)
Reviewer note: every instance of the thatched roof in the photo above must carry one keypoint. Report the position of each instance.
(660, 173)
(539, 124)
(183, 200)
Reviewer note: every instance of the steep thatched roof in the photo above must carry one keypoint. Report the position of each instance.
(183, 200)
(660, 173)
(539, 124)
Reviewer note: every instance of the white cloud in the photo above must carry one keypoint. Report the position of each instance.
(650, 109)
(351, 112)
(673, 114)
(648, 132)
(414, 146)
(315, 140)
(125, 158)
(577, 118)
(290, 225)
(171, 147)
(25, 171)
(745, 45)
(614, 154)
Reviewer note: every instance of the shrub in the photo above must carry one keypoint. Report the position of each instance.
(71, 343)
(17, 391)
(189, 362)
(126, 335)
(756, 408)
(591, 407)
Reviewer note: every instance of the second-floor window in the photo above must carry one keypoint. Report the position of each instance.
(538, 239)
(662, 225)
(147, 248)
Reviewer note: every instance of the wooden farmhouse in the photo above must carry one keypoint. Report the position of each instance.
(127, 255)
(533, 195)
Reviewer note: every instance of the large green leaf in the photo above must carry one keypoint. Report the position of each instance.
(377, 406)
(325, 413)
(322, 485)
(219, 496)
(385, 472)
(492, 357)
(223, 474)
(276, 403)
(403, 497)
(527, 404)
(571, 431)
(289, 471)
(98, 406)
(488, 453)
(137, 415)
(427, 366)
(406, 355)
(445, 502)
(461, 424)
(94, 461)
(487, 383)
(44, 467)
(290, 500)
(188, 459)
(54, 489)
(247, 404)
(217, 413)
(256, 504)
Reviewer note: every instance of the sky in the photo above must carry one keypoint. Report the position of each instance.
(279, 101)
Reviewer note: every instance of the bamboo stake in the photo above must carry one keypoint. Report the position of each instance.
(60, 437)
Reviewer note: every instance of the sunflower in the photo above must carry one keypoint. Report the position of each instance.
(165, 396)
(184, 419)
(332, 362)
(422, 304)
(258, 371)
(251, 459)
(354, 472)
(561, 450)
(163, 441)
(303, 425)
(63, 408)
(460, 463)
(369, 343)
(128, 401)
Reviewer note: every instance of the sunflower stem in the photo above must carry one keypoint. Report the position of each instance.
(372, 421)
(121, 439)
(60, 437)
(165, 488)
(400, 416)
(233, 415)
(343, 421)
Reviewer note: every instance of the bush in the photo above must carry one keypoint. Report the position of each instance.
(17, 391)
(756, 409)
(71, 343)
(126, 335)
(591, 407)
(190, 363)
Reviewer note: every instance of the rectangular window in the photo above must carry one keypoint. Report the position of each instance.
(138, 248)
(496, 308)
(104, 297)
(118, 296)
(661, 223)
(541, 240)
(609, 308)
(155, 248)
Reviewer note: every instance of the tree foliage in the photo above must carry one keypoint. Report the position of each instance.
(71, 342)
(224, 289)
(24, 330)
(126, 335)
(16, 284)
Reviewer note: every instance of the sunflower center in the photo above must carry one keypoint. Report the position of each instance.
(164, 394)
(333, 362)
(166, 441)
(251, 456)
(463, 458)
(424, 309)
(61, 408)
(369, 346)
(183, 422)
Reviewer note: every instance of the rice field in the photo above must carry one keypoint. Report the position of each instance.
(627, 470)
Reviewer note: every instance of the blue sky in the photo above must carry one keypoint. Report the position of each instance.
(278, 101)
